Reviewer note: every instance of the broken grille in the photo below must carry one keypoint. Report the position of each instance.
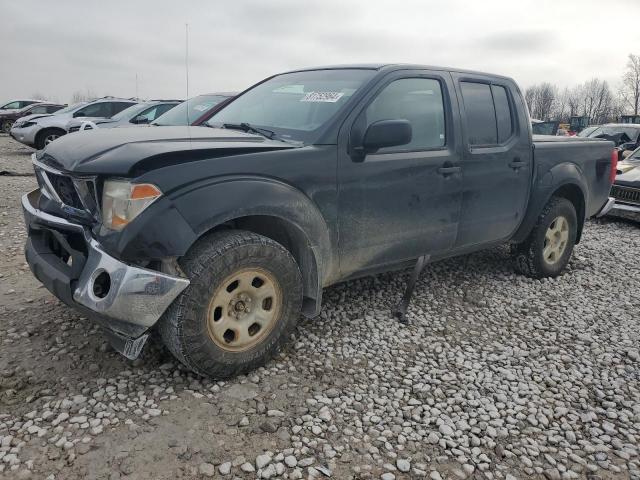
(78, 194)
(626, 194)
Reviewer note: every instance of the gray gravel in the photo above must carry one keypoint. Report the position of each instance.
(497, 376)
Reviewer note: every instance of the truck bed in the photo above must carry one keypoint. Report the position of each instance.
(557, 156)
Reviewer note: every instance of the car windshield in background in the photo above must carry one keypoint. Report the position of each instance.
(188, 112)
(544, 128)
(294, 105)
(587, 131)
(130, 112)
(631, 132)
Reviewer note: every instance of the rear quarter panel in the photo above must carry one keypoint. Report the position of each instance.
(573, 159)
(561, 161)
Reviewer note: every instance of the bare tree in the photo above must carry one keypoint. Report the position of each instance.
(630, 89)
(547, 94)
(540, 100)
(598, 102)
(80, 96)
(38, 96)
(529, 98)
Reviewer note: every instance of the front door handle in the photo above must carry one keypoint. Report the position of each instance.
(517, 163)
(446, 171)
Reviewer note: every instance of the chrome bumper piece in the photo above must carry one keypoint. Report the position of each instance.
(607, 207)
(623, 207)
(134, 295)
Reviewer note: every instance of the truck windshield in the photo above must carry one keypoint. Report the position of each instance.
(294, 105)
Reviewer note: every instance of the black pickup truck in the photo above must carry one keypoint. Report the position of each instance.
(219, 236)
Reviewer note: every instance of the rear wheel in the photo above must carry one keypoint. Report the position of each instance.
(6, 125)
(242, 304)
(47, 136)
(547, 250)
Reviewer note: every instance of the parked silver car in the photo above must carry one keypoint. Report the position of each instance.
(40, 130)
(139, 114)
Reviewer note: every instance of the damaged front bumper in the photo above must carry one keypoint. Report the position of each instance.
(125, 300)
(625, 210)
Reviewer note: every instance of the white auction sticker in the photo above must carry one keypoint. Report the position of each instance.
(328, 97)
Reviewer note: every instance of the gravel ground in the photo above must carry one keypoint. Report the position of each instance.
(497, 376)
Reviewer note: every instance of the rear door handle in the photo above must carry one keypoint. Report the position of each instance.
(446, 171)
(517, 163)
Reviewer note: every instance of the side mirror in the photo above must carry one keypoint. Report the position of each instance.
(140, 119)
(78, 114)
(386, 133)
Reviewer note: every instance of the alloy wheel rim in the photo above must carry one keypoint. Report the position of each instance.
(244, 309)
(50, 138)
(555, 240)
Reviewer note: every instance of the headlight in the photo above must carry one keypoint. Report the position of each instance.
(25, 124)
(123, 201)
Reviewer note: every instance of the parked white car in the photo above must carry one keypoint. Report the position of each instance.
(139, 114)
(40, 130)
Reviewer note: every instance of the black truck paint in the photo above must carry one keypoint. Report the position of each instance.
(340, 212)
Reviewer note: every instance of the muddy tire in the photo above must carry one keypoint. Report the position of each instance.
(547, 249)
(48, 135)
(242, 304)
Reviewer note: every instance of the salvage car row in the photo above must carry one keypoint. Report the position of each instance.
(37, 123)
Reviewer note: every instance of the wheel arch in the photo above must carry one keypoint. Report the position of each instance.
(42, 133)
(296, 241)
(575, 195)
(569, 186)
(270, 208)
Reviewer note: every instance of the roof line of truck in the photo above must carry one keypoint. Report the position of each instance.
(394, 66)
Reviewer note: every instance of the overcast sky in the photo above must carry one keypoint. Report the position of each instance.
(57, 48)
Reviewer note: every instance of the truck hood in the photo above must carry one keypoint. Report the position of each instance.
(132, 151)
(628, 174)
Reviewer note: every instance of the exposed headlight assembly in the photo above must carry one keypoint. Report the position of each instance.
(25, 124)
(123, 201)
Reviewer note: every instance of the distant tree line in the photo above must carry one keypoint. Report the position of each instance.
(594, 98)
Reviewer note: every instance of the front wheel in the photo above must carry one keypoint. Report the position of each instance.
(242, 304)
(547, 249)
(6, 126)
(47, 136)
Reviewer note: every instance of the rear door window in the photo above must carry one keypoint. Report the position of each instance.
(488, 113)
(101, 109)
(480, 113)
(504, 120)
(39, 109)
(117, 107)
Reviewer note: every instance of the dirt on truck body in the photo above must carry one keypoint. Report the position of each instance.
(219, 236)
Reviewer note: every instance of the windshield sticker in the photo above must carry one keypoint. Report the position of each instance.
(326, 97)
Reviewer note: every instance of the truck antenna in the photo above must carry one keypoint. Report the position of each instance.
(186, 65)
